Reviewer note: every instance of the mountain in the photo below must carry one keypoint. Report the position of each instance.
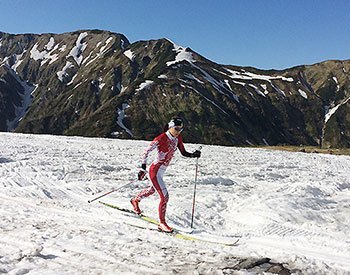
(97, 83)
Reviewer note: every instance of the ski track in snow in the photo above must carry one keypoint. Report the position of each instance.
(291, 207)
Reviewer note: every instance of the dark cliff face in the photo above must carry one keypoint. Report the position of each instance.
(95, 83)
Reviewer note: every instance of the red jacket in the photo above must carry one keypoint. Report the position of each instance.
(166, 146)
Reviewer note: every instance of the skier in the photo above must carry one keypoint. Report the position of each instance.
(166, 145)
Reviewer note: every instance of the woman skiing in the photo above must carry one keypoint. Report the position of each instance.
(166, 145)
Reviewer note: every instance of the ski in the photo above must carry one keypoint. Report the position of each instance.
(177, 233)
(187, 236)
(142, 217)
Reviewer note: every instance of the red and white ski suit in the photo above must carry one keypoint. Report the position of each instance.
(166, 146)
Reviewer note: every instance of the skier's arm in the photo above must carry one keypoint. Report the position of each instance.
(148, 150)
(142, 173)
(180, 145)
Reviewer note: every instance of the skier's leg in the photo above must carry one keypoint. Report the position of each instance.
(145, 193)
(156, 177)
(136, 200)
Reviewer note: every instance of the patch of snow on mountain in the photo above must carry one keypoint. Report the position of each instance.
(99, 54)
(26, 96)
(182, 55)
(121, 116)
(100, 84)
(123, 89)
(218, 85)
(77, 51)
(302, 93)
(63, 73)
(18, 60)
(63, 48)
(129, 54)
(264, 86)
(44, 55)
(257, 90)
(163, 76)
(72, 81)
(336, 82)
(145, 85)
(122, 44)
(277, 89)
(232, 92)
(50, 44)
(105, 48)
(251, 76)
(332, 111)
(190, 76)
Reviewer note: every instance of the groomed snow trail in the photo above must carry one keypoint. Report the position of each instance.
(291, 207)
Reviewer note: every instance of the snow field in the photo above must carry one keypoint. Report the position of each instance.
(291, 207)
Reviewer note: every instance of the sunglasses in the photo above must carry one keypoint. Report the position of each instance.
(178, 129)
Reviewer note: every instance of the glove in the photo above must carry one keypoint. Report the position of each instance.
(196, 154)
(142, 173)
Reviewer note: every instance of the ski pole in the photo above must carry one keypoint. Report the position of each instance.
(89, 201)
(195, 187)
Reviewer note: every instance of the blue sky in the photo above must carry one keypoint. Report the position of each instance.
(264, 34)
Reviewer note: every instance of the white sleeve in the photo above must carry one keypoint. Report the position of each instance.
(148, 150)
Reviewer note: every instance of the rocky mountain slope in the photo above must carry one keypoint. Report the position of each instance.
(96, 83)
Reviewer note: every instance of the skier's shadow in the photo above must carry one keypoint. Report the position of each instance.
(47, 257)
(5, 160)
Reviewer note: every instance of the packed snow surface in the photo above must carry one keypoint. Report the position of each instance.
(290, 207)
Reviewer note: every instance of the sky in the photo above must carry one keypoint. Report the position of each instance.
(266, 34)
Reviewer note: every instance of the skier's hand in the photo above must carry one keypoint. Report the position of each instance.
(196, 154)
(142, 173)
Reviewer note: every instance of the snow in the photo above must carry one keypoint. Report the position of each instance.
(50, 44)
(144, 85)
(72, 80)
(63, 73)
(264, 86)
(129, 54)
(277, 89)
(18, 60)
(122, 44)
(257, 90)
(105, 48)
(26, 96)
(191, 76)
(336, 82)
(302, 93)
(251, 76)
(291, 207)
(77, 51)
(47, 54)
(101, 52)
(182, 55)
(332, 111)
(121, 116)
(233, 94)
